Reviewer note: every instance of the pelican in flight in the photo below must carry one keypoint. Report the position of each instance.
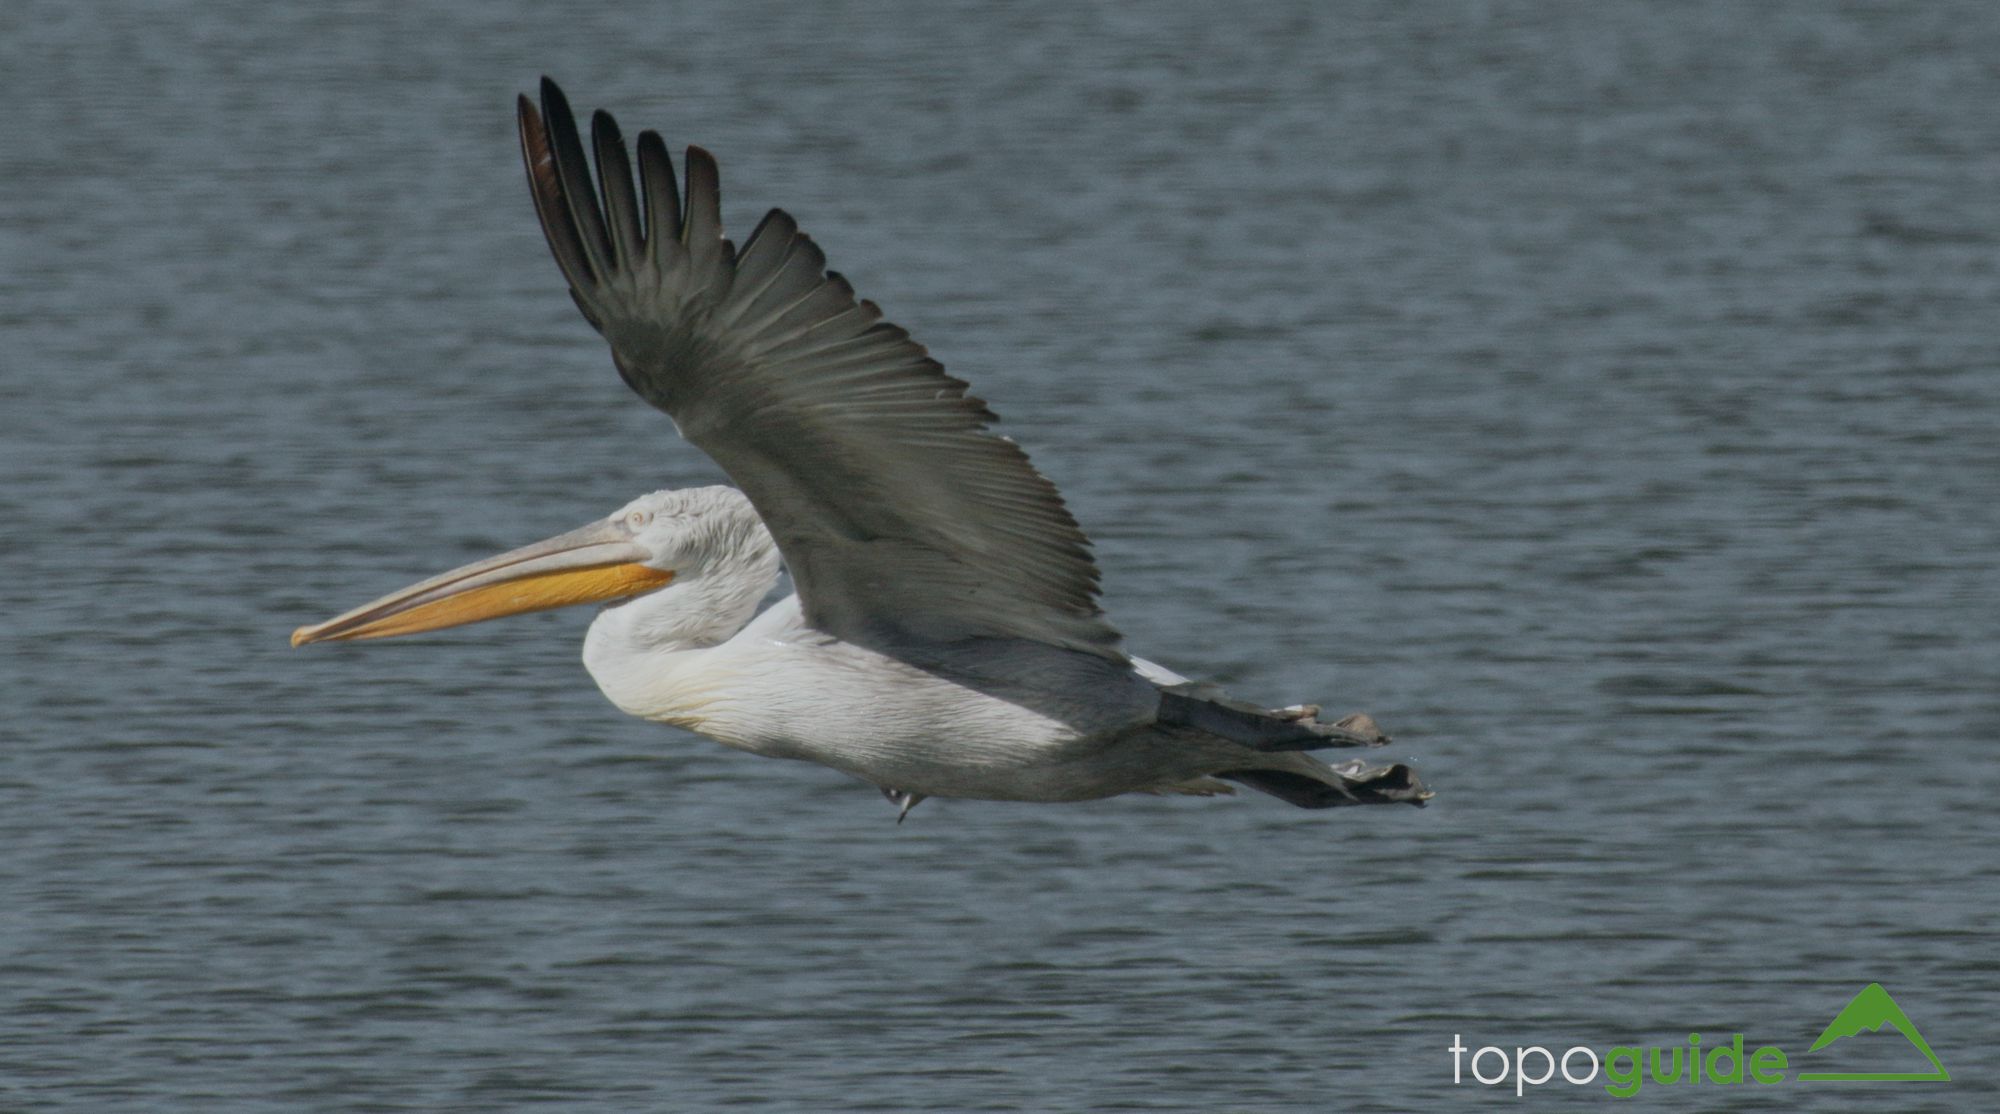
(945, 638)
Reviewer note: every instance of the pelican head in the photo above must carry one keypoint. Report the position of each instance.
(707, 543)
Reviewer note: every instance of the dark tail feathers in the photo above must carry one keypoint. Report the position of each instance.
(1204, 708)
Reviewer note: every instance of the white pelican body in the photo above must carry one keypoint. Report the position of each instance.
(945, 638)
(781, 689)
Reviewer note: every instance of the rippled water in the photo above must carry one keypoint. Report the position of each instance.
(1604, 399)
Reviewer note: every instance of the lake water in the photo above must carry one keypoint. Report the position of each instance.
(1605, 398)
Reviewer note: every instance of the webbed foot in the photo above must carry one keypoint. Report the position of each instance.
(904, 799)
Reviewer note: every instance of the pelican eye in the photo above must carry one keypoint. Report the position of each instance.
(638, 520)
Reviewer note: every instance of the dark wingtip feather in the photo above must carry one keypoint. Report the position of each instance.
(604, 128)
(572, 172)
(660, 194)
(546, 189)
(704, 188)
(552, 96)
(614, 183)
(701, 220)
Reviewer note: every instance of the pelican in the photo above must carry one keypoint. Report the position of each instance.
(944, 639)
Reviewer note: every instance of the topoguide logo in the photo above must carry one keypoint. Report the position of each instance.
(1626, 1070)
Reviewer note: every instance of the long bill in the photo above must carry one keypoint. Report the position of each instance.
(588, 565)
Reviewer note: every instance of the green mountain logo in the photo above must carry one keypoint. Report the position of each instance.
(1869, 1011)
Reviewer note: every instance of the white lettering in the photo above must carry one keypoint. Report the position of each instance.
(1593, 1065)
(1531, 1065)
(1521, 1077)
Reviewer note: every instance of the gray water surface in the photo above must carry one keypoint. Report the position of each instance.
(1604, 397)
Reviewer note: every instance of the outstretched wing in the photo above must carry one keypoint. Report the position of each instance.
(901, 517)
